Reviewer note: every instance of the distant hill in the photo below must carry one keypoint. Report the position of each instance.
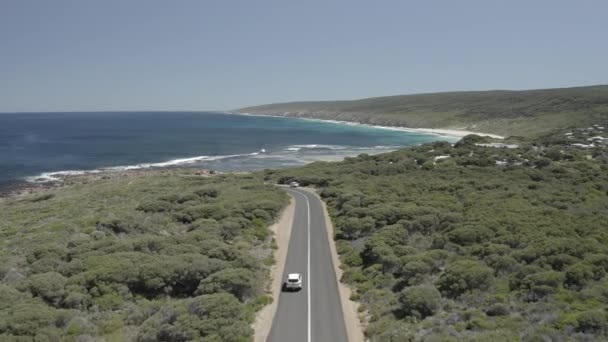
(503, 112)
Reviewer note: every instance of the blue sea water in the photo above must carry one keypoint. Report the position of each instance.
(37, 146)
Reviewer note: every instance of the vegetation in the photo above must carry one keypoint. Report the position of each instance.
(523, 113)
(473, 242)
(164, 257)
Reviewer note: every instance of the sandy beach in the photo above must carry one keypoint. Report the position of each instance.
(447, 132)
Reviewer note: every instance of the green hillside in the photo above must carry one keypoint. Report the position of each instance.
(162, 257)
(472, 242)
(506, 113)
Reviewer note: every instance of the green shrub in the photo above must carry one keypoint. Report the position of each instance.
(578, 275)
(77, 300)
(155, 206)
(560, 261)
(49, 286)
(118, 226)
(466, 236)
(28, 319)
(237, 281)
(593, 322)
(415, 271)
(215, 317)
(420, 301)
(502, 264)
(211, 192)
(498, 310)
(80, 326)
(186, 198)
(465, 275)
(548, 278)
(10, 296)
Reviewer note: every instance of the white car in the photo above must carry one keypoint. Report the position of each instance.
(293, 184)
(293, 282)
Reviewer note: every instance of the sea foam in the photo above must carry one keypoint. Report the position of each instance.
(56, 175)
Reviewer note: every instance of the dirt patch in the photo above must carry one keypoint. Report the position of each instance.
(282, 232)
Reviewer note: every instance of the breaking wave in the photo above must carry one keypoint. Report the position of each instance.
(298, 148)
(298, 154)
(56, 175)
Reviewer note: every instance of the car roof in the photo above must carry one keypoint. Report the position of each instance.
(294, 276)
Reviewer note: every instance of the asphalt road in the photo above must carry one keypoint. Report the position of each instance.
(313, 314)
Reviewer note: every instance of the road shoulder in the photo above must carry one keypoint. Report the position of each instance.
(282, 232)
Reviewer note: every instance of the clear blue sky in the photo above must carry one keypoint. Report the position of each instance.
(211, 55)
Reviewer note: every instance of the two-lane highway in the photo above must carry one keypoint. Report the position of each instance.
(315, 313)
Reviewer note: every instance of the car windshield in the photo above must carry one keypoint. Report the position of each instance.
(293, 280)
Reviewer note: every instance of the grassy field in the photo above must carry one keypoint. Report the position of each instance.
(472, 242)
(167, 256)
(523, 113)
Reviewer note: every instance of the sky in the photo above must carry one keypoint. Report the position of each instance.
(85, 55)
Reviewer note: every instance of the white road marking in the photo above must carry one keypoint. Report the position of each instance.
(308, 268)
(307, 263)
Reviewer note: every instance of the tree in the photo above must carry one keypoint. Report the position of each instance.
(592, 322)
(420, 301)
(237, 281)
(466, 236)
(415, 271)
(49, 286)
(578, 275)
(27, 319)
(465, 275)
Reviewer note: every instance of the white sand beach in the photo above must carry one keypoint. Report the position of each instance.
(448, 132)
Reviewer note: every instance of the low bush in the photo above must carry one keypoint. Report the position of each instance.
(165, 257)
(465, 275)
(420, 301)
(521, 240)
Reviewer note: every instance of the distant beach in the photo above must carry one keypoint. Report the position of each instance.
(452, 133)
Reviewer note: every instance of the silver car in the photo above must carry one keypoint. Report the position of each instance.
(293, 282)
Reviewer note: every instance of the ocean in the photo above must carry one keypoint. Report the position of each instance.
(37, 147)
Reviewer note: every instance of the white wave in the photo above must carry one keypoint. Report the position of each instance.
(380, 147)
(316, 146)
(296, 148)
(56, 175)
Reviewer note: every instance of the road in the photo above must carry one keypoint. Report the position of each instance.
(315, 313)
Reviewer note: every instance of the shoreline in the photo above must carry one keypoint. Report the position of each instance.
(445, 132)
(54, 179)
